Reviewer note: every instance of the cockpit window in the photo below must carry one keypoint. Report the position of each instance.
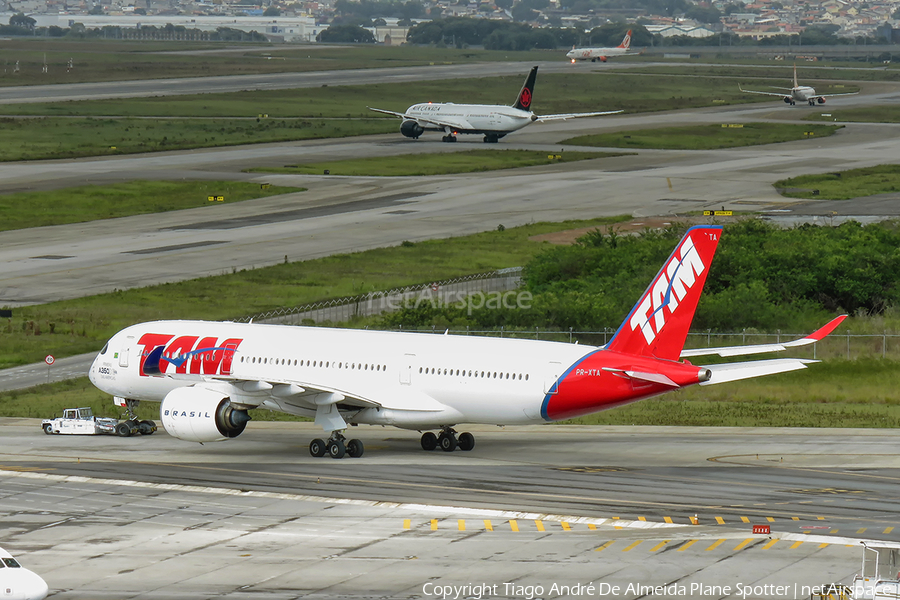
(105, 348)
(11, 563)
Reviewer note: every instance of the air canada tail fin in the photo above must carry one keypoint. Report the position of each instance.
(658, 324)
(523, 101)
(626, 41)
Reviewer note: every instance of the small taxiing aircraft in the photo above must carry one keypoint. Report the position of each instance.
(492, 120)
(601, 54)
(209, 374)
(798, 93)
(17, 582)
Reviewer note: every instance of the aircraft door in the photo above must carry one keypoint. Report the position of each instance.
(126, 349)
(554, 370)
(406, 369)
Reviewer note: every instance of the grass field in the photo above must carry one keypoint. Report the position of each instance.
(437, 164)
(843, 185)
(865, 114)
(92, 202)
(116, 60)
(782, 74)
(862, 393)
(83, 325)
(704, 137)
(54, 137)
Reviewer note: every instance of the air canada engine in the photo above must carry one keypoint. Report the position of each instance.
(198, 414)
(411, 129)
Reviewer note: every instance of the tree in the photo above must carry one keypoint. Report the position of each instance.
(521, 12)
(20, 20)
(97, 9)
(272, 11)
(503, 4)
(345, 34)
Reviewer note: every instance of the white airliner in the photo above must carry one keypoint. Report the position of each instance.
(798, 93)
(17, 582)
(601, 54)
(492, 120)
(208, 374)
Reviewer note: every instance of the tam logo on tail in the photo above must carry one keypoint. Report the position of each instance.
(658, 324)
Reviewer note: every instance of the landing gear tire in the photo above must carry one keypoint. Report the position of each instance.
(123, 429)
(448, 138)
(447, 442)
(429, 441)
(355, 448)
(317, 448)
(491, 138)
(48, 428)
(146, 427)
(466, 441)
(336, 449)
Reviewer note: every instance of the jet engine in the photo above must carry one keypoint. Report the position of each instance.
(820, 100)
(788, 100)
(198, 414)
(411, 129)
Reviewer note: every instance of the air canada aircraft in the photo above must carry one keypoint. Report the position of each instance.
(601, 54)
(798, 93)
(17, 582)
(492, 120)
(208, 374)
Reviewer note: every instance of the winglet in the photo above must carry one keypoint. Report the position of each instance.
(819, 334)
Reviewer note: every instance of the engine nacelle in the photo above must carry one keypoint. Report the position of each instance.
(411, 129)
(820, 100)
(197, 414)
(788, 100)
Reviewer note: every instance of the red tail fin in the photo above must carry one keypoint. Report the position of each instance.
(658, 324)
(626, 41)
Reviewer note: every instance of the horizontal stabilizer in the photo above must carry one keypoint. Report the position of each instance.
(651, 377)
(745, 370)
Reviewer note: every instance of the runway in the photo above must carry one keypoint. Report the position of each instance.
(588, 503)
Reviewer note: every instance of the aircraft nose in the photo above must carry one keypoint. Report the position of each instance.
(34, 587)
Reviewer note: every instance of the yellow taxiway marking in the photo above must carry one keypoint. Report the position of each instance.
(513, 525)
(407, 523)
(592, 527)
(821, 518)
(745, 520)
(825, 545)
(770, 519)
(540, 525)
(888, 530)
(833, 531)
(634, 545)
(434, 524)
(795, 518)
(461, 523)
(770, 544)
(488, 526)
(659, 545)
(720, 520)
(742, 544)
(687, 545)
(716, 544)
(565, 526)
(796, 545)
(667, 519)
(642, 518)
(863, 530)
(605, 546)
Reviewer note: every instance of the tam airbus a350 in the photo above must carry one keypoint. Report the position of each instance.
(798, 93)
(207, 375)
(17, 582)
(601, 54)
(494, 121)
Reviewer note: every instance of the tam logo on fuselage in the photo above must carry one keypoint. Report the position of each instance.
(190, 353)
(672, 286)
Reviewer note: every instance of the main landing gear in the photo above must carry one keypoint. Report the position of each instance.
(449, 138)
(337, 446)
(447, 440)
(491, 138)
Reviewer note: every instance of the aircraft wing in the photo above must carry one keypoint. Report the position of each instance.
(726, 372)
(455, 124)
(565, 116)
(786, 92)
(727, 351)
(832, 95)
